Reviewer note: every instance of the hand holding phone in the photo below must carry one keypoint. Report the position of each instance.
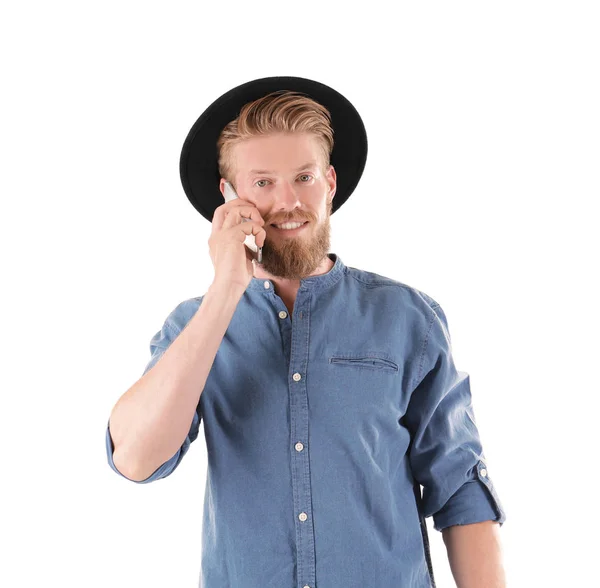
(250, 241)
(231, 252)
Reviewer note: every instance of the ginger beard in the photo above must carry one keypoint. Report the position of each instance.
(294, 258)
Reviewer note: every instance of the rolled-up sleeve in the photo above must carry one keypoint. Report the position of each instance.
(159, 343)
(446, 455)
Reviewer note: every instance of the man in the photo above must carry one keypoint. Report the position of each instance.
(329, 394)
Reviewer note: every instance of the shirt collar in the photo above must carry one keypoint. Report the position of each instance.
(312, 283)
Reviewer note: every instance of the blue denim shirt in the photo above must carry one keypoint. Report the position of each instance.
(320, 429)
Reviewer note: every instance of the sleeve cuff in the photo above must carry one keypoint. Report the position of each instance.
(474, 502)
(162, 471)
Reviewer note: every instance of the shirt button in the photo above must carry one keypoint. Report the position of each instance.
(302, 516)
(282, 314)
(297, 377)
(267, 285)
(484, 472)
(306, 586)
(299, 446)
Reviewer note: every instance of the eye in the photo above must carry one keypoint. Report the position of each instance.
(260, 181)
(305, 176)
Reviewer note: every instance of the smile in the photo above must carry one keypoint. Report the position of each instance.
(290, 228)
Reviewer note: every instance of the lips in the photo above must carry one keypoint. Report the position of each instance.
(289, 221)
(290, 231)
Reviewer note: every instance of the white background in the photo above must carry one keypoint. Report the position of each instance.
(480, 189)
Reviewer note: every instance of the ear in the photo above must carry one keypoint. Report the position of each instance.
(332, 182)
(222, 187)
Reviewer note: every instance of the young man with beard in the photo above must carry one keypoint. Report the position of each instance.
(320, 430)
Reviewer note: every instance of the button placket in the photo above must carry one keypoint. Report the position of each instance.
(297, 377)
(301, 468)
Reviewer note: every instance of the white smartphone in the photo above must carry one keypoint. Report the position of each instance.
(250, 241)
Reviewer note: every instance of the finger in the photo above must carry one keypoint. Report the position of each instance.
(239, 213)
(250, 228)
(222, 211)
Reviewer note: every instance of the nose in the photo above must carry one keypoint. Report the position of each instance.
(286, 197)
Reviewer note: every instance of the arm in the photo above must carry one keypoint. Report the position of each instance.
(475, 555)
(150, 421)
(446, 454)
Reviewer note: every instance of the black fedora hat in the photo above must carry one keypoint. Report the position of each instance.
(198, 166)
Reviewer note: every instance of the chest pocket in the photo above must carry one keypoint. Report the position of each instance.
(370, 361)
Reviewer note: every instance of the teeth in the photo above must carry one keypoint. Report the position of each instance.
(289, 225)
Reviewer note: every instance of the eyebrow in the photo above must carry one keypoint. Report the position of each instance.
(264, 171)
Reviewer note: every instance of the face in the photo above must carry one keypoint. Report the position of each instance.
(281, 175)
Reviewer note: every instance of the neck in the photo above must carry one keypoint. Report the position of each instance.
(291, 285)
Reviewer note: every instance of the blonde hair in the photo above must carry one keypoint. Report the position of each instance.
(282, 111)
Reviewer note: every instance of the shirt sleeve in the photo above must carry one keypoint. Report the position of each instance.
(446, 455)
(159, 343)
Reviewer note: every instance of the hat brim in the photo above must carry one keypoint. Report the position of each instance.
(198, 166)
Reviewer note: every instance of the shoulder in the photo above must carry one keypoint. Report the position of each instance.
(182, 313)
(403, 292)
